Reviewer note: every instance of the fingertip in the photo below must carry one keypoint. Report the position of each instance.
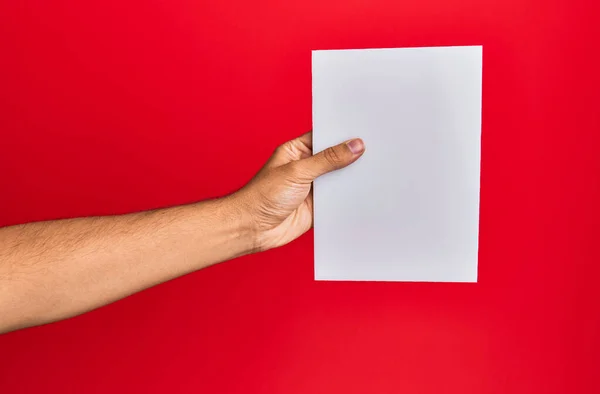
(356, 146)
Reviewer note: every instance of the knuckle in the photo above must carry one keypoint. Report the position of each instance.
(279, 149)
(284, 149)
(332, 157)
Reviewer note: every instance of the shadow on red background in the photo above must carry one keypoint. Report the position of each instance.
(117, 106)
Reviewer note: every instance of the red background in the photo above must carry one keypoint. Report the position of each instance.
(117, 106)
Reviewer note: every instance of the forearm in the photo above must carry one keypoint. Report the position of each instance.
(57, 269)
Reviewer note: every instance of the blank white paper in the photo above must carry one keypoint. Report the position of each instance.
(408, 210)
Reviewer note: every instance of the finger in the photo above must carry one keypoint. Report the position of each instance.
(309, 203)
(295, 149)
(331, 159)
(306, 139)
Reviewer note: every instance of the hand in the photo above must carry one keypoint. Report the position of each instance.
(279, 199)
(62, 268)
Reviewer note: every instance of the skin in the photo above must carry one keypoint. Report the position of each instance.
(58, 269)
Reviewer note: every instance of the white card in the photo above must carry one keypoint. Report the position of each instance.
(408, 209)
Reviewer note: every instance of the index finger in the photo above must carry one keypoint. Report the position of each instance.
(306, 139)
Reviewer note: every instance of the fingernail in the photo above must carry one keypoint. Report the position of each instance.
(356, 146)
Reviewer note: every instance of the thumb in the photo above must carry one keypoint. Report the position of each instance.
(332, 158)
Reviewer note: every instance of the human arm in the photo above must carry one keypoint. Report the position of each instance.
(57, 269)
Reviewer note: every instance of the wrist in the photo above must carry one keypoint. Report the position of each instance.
(237, 212)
